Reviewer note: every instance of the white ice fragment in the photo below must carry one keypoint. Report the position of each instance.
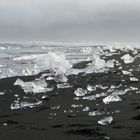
(120, 68)
(106, 120)
(95, 113)
(134, 88)
(119, 92)
(61, 78)
(111, 98)
(91, 88)
(76, 106)
(101, 87)
(96, 64)
(80, 92)
(134, 79)
(5, 124)
(20, 105)
(127, 59)
(36, 86)
(90, 98)
(137, 92)
(110, 64)
(50, 78)
(56, 107)
(19, 82)
(86, 109)
(64, 85)
(1, 93)
(126, 72)
(45, 74)
(100, 95)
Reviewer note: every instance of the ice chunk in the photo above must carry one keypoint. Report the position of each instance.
(127, 59)
(126, 72)
(100, 95)
(131, 88)
(36, 86)
(20, 105)
(106, 120)
(75, 71)
(61, 77)
(90, 98)
(91, 88)
(50, 78)
(56, 107)
(95, 113)
(101, 87)
(97, 64)
(80, 92)
(19, 82)
(86, 109)
(1, 93)
(119, 92)
(112, 98)
(76, 106)
(110, 64)
(64, 85)
(134, 79)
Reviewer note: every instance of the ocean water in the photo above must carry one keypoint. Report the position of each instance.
(26, 59)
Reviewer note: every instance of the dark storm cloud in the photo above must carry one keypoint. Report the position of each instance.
(70, 20)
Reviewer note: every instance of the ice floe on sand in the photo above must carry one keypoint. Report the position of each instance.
(126, 72)
(106, 120)
(80, 92)
(134, 79)
(64, 85)
(96, 113)
(127, 59)
(112, 98)
(22, 105)
(37, 86)
(2, 93)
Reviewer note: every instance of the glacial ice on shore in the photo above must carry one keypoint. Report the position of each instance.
(2, 93)
(126, 73)
(127, 59)
(64, 85)
(111, 98)
(36, 86)
(96, 113)
(106, 120)
(134, 79)
(20, 105)
(96, 65)
(80, 92)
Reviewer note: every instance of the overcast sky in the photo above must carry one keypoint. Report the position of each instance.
(70, 20)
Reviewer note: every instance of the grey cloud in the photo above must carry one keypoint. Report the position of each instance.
(70, 20)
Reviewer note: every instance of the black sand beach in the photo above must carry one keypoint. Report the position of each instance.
(58, 119)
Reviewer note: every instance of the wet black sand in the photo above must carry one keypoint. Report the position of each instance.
(47, 123)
